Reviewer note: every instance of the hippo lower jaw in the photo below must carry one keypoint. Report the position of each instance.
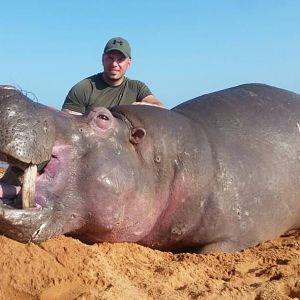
(24, 225)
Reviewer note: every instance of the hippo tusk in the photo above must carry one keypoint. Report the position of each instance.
(28, 189)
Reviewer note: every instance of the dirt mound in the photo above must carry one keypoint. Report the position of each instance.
(65, 268)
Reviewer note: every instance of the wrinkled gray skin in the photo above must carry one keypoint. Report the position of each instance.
(219, 172)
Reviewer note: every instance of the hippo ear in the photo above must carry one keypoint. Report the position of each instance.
(137, 135)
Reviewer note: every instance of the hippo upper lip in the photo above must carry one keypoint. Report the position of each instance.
(13, 161)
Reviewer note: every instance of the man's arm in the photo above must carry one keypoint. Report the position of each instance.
(145, 96)
(77, 98)
(150, 100)
(153, 101)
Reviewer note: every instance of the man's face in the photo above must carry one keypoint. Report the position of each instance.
(115, 65)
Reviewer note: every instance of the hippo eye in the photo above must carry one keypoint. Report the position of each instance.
(103, 117)
(100, 118)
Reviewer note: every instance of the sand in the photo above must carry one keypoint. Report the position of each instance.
(65, 268)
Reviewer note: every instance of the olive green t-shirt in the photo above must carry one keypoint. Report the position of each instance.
(94, 92)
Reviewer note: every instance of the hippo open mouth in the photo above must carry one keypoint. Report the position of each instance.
(24, 189)
(27, 196)
(18, 183)
(24, 184)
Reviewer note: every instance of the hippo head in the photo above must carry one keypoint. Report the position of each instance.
(86, 175)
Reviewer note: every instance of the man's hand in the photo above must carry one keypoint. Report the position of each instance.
(72, 112)
(150, 100)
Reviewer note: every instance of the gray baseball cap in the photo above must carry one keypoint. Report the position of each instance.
(118, 44)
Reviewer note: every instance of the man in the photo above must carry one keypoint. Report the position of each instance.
(110, 87)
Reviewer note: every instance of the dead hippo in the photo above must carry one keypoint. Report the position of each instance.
(219, 172)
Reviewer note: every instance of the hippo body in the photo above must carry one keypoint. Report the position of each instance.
(218, 172)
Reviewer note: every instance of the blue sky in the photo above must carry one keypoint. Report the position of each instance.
(181, 49)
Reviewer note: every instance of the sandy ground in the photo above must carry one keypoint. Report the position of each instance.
(65, 268)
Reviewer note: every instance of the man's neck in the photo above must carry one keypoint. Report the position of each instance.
(112, 82)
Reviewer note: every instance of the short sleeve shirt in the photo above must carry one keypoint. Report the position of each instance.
(94, 92)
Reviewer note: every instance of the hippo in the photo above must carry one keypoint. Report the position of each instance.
(220, 172)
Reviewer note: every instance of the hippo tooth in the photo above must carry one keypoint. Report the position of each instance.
(28, 189)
